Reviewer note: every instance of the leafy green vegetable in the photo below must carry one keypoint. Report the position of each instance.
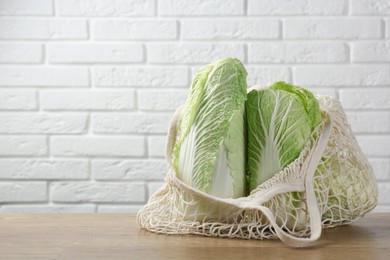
(209, 153)
(280, 121)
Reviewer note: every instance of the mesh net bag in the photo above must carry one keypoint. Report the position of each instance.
(331, 183)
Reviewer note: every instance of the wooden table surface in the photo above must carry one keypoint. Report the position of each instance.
(117, 236)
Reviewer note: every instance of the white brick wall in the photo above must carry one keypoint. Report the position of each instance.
(20, 52)
(200, 8)
(140, 76)
(26, 7)
(23, 99)
(134, 29)
(297, 7)
(94, 53)
(192, 52)
(50, 169)
(97, 146)
(108, 8)
(19, 28)
(87, 99)
(230, 29)
(38, 76)
(23, 145)
(297, 52)
(87, 87)
(129, 123)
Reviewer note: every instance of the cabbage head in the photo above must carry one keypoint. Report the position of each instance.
(280, 120)
(209, 153)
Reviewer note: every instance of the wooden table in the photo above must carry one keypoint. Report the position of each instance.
(117, 236)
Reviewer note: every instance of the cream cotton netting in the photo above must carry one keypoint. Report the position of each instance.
(331, 183)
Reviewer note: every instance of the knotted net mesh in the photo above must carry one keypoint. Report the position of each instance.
(342, 182)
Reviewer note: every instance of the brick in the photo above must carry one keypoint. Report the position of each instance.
(43, 169)
(26, 7)
(119, 209)
(153, 187)
(157, 146)
(339, 75)
(97, 192)
(375, 145)
(297, 7)
(150, 169)
(23, 145)
(384, 191)
(223, 29)
(375, 7)
(365, 98)
(369, 122)
(94, 53)
(21, 123)
(381, 168)
(48, 208)
(161, 100)
(267, 75)
(97, 146)
(20, 52)
(201, 7)
(87, 99)
(38, 76)
(43, 29)
(139, 123)
(23, 191)
(134, 29)
(193, 52)
(370, 52)
(11, 99)
(332, 28)
(297, 52)
(140, 76)
(106, 7)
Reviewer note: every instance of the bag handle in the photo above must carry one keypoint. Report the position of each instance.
(314, 213)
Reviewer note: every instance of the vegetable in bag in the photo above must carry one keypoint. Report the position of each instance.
(281, 118)
(209, 153)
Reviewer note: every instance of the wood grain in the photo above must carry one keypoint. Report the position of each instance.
(117, 236)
